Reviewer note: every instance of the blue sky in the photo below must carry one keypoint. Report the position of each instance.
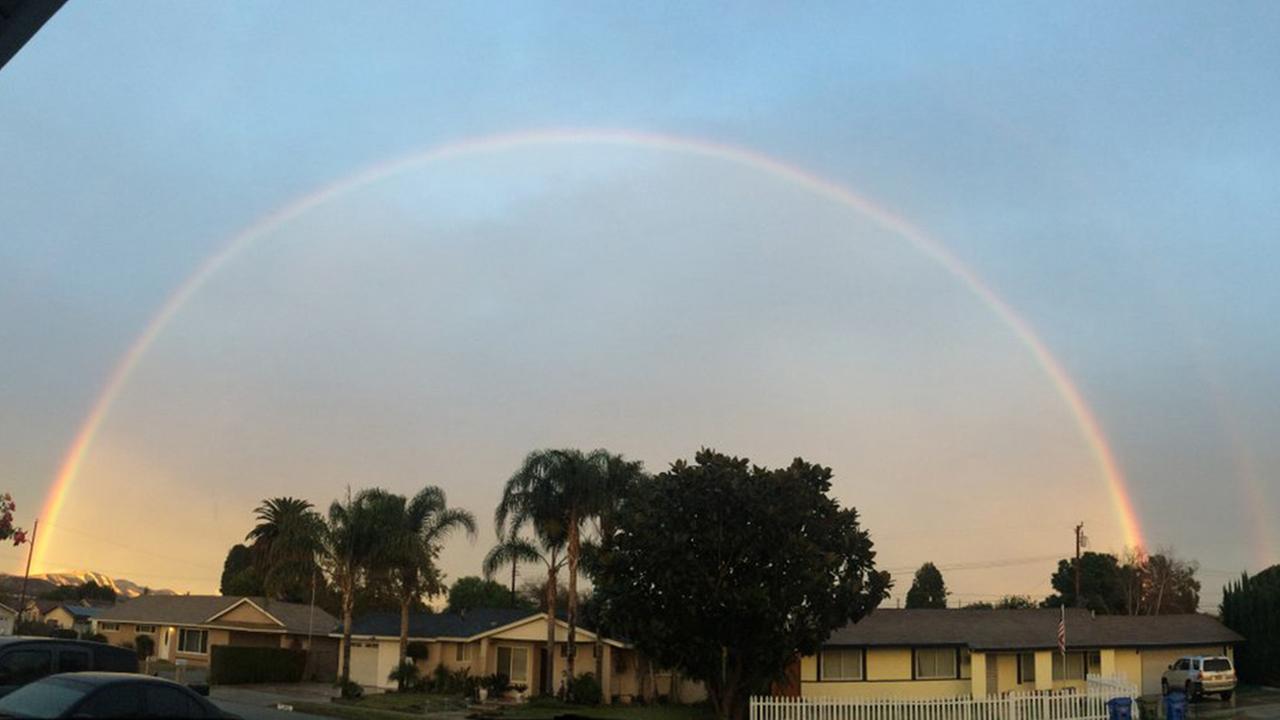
(1110, 171)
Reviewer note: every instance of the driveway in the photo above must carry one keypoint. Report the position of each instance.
(258, 702)
(1248, 704)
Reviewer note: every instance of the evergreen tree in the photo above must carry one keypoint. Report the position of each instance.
(928, 589)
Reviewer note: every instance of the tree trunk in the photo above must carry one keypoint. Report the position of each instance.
(404, 638)
(513, 584)
(550, 670)
(348, 600)
(575, 547)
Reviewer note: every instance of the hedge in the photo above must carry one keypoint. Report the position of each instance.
(235, 665)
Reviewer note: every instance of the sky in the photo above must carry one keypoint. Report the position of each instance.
(657, 271)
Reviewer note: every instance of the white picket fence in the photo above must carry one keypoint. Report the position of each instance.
(1045, 705)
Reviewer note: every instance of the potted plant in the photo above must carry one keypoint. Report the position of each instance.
(519, 690)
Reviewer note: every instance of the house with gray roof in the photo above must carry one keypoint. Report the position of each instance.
(187, 627)
(949, 653)
(489, 641)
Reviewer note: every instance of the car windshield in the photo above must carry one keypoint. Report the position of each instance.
(1217, 665)
(47, 698)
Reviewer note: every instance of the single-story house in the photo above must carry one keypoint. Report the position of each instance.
(8, 619)
(949, 653)
(488, 641)
(36, 609)
(187, 627)
(73, 616)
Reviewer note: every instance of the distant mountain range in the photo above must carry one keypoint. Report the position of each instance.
(42, 583)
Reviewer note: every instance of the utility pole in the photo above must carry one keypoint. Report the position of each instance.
(1079, 543)
(22, 599)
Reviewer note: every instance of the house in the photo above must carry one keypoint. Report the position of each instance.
(488, 641)
(36, 609)
(8, 619)
(949, 653)
(72, 616)
(187, 627)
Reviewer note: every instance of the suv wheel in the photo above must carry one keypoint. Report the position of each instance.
(1189, 689)
(1164, 687)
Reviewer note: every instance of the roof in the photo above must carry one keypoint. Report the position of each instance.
(1030, 629)
(471, 624)
(82, 611)
(455, 625)
(202, 609)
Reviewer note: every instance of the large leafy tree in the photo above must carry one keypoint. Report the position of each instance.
(1251, 607)
(725, 571)
(1141, 584)
(239, 573)
(284, 545)
(411, 533)
(1100, 584)
(472, 592)
(927, 589)
(547, 551)
(556, 492)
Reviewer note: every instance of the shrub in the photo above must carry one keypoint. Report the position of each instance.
(233, 665)
(496, 684)
(585, 690)
(404, 676)
(352, 690)
(417, 650)
(145, 645)
(66, 634)
(95, 637)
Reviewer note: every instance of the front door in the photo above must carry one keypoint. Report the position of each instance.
(993, 674)
(165, 650)
(543, 666)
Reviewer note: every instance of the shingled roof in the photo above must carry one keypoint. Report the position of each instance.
(198, 609)
(444, 625)
(1029, 630)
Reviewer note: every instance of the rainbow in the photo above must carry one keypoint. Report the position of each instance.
(1089, 427)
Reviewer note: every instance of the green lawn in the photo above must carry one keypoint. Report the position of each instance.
(395, 706)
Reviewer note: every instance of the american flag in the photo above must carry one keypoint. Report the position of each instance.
(1062, 632)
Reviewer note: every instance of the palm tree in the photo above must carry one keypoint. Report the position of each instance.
(349, 544)
(557, 492)
(412, 532)
(515, 549)
(284, 544)
(618, 478)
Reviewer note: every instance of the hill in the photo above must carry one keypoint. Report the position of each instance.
(11, 585)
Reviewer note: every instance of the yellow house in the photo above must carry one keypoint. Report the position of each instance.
(488, 641)
(952, 653)
(188, 627)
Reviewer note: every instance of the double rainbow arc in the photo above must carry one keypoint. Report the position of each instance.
(1089, 427)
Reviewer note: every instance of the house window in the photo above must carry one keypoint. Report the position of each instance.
(146, 628)
(193, 641)
(108, 627)
(1069, 668)
(966, 664)
(463, 653)
(580, 648)
(1095, 662)
(1026, 668)
(514, 663)
(844, 664)
(935, 663)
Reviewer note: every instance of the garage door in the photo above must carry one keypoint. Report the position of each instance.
(364, 663)
(1155, 662)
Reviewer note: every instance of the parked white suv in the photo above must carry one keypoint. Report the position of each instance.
(1198, 675)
